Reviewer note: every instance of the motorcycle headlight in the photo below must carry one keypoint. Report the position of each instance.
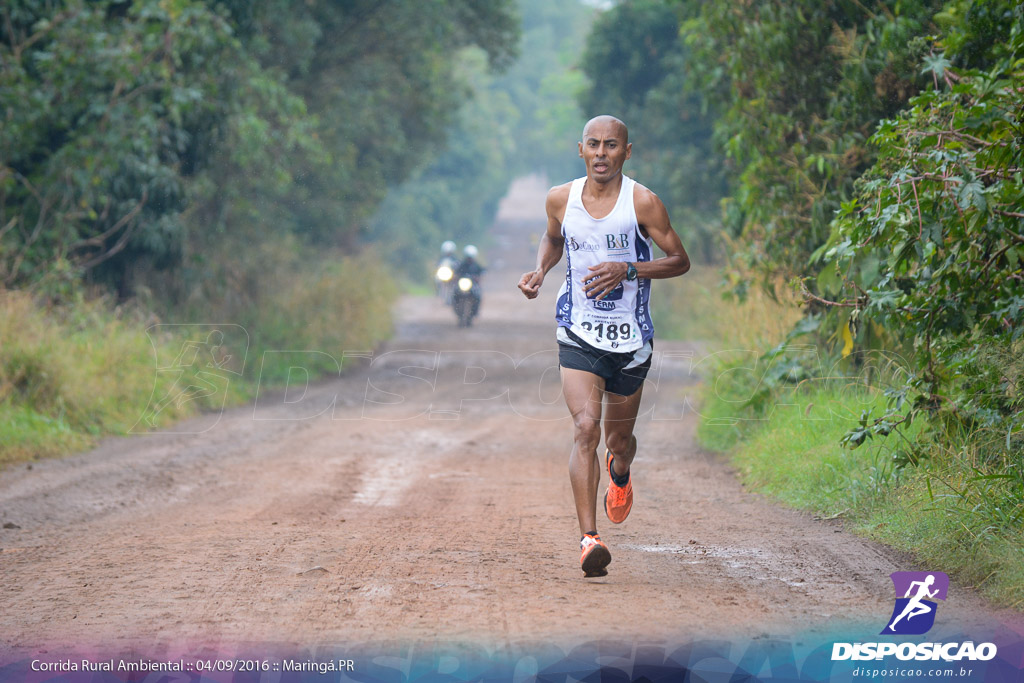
(444, 273)
(465, 284)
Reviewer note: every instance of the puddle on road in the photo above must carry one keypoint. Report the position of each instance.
(753, 563)
(701, 550)
(656, 548)
(385, 483)
(385, 480)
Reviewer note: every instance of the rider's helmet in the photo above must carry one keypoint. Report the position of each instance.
(469, 251)
(448, 247)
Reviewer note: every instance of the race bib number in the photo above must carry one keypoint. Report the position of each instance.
(617, 333)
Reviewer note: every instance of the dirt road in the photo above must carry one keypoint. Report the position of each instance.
(423, 495)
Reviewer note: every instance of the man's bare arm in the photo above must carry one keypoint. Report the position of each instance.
(549, 252)
(653, 218)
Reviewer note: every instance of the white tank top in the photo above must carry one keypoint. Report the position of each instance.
(621, 322)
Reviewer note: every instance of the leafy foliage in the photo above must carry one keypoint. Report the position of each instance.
(935, 237)
(103, 122)
(906, 238)
(139, 134)
(800, 85)
(875, 152)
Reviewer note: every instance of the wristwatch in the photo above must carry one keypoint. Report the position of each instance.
(631, 272)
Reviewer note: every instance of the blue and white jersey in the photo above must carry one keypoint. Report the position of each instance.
(621, 322)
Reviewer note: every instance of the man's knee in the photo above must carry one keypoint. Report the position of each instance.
(587, 431)
(618, 442)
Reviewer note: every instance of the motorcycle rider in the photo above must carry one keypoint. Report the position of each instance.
(471, 268)
(445, 271)
(447, 252)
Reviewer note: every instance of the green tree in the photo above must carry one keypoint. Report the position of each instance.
(106, 108)
(931, 247)
(799, 87)
(456, 196)
(141, 135)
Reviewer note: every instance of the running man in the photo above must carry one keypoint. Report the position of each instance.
(605, 335)
(916, 607)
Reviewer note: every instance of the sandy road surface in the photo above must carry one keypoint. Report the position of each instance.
(390, 505)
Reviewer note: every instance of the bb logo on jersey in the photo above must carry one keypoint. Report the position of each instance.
(618, 242)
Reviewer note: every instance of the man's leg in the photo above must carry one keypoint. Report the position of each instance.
(619, 421)
(583, 392)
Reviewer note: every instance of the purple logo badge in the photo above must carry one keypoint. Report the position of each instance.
(916, 593)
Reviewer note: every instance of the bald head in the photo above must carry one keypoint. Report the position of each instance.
(605, 147)
(607, 123)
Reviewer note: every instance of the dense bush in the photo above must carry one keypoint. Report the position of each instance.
(876, 158)
(139, 134)
(931, 246)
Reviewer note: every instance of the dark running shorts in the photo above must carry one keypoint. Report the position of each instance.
(623, 373)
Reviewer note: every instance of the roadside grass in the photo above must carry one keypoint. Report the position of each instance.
(69, 375)
(26, 434)
(957, 504)
(72, 373)
(951, 510)
(696, 307)
(797, 458)
(951, 524)
(338, 306)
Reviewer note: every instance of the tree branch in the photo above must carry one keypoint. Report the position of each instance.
(920, 223)
(121, 242)
(842, 304)
(98, 240)
(10, 224)
(38, 35)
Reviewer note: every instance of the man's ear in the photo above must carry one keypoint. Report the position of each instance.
(629, 149)
(580, 145)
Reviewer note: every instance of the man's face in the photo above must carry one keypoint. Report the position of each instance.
(604, 150)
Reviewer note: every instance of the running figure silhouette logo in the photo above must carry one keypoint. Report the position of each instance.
(914, 612)
(208, 359)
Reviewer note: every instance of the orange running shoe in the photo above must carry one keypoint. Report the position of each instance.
(618, 500)
(594, 556)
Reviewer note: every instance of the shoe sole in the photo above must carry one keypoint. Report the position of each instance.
(595, 563)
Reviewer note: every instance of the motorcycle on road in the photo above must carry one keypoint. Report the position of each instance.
(444, 278)
(466, 299)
